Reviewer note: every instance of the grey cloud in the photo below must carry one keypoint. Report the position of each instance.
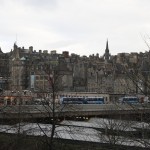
(75, 24)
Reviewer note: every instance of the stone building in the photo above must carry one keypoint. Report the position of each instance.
(28, 69)
(4, 70)
(100, 73)
(31, 70)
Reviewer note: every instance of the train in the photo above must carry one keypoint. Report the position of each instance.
(82, 100)
(129, 100)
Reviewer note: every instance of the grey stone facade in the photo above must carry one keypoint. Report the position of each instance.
(123, 73)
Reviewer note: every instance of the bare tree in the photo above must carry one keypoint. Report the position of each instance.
(50, 103)
(139, 76)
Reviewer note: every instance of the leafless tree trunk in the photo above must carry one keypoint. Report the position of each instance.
(49, 100)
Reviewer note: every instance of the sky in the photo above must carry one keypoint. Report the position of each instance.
(77, 26)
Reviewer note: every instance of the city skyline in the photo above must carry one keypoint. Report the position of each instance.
(80, 27)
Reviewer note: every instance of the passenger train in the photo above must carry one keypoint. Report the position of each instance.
(129, 100)
(82, 100)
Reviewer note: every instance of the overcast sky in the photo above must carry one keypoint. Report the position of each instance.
(77, 26)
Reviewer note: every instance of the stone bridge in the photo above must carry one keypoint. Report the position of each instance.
(80, 110)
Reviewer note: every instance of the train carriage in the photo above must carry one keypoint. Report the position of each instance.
(95, 100)
(129, 100)
(82, 100)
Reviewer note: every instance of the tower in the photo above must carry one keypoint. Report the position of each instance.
(107, 54)
(17, 70)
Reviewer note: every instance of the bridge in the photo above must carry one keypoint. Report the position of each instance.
(44, 111)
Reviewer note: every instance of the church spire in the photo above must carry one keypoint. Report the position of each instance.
(107, 54)
(107, 48)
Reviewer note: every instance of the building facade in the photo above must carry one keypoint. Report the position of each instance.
(27, 69)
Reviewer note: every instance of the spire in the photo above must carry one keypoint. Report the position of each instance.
(107, 55)
(107, 48)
